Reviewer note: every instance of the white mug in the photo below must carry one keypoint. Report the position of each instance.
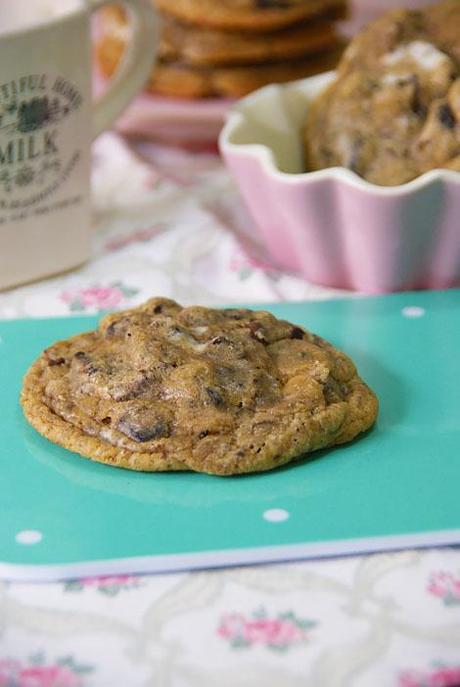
(47, 123)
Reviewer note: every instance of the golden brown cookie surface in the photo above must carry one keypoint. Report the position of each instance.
(438, 24)
(393, 112)
(246, 15)
(179, 79)
(208, 47)
(162, 387)
(197, 46)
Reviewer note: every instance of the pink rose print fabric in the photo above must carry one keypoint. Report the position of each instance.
(278, 633)
(446, 586)
(38, 672)
(98, 298)
(110, 585)
(440, 676)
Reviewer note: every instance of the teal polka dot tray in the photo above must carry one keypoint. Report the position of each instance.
(398, 486)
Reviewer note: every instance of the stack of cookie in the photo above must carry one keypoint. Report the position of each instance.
(227, 48)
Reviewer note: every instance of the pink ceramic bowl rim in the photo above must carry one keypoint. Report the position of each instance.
(236, 138)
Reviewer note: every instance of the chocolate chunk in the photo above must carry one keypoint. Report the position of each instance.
(204, 434)
(447, 117)
(141, 433)
(117, 327)
(272, 4)
(106, 420)
(257, 332)
(52, 359)
(138, 387)
(235, 314)
(158, 309)
(215, 397)
(297, 333)
(417, 106)
(86, 362)
(344, 388)
(55, 361)
(111, 329)
(332, 391)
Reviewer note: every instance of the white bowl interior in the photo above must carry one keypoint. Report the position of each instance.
(275, 116)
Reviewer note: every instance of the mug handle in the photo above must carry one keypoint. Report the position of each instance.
(136, 65)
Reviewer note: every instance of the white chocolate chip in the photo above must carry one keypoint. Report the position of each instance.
(424, 54)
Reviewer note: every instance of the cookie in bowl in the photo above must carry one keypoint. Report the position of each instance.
(161, 387)
(392, 112)
(352, 177)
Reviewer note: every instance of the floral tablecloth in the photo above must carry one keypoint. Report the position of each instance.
(170, 223)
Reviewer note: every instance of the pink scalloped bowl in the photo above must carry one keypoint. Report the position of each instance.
(331, 226)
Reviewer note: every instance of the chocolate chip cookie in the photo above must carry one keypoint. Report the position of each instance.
(161, 387)
(208, 47)
(393, 112)
(198, 46)
(183, 80)
(245, 15)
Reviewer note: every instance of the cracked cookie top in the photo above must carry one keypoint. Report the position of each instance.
(217, 391)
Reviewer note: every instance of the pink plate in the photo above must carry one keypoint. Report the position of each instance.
(175, 121)
(194, 123)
